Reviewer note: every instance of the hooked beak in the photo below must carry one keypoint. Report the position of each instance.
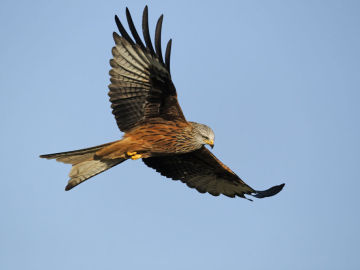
(210, 142)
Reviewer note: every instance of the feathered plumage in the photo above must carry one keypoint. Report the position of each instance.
(145, 105)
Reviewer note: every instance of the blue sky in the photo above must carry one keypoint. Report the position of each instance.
(278, 81)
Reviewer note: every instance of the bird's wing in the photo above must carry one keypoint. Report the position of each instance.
(203, 171)
(141, 87)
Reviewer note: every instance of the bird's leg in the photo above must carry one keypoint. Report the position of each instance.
(133, 155)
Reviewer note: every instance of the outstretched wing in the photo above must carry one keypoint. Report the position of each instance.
(203, 171)
(141, 87)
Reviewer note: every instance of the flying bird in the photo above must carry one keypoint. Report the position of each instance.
(145, 105)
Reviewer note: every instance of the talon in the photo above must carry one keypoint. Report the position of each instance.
(131, 153)
(135, 157)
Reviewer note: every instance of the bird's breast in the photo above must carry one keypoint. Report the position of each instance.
(165, 137)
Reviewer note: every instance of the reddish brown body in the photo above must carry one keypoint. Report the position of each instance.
(155, 138)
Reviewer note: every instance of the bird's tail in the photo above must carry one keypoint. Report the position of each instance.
(85, 163)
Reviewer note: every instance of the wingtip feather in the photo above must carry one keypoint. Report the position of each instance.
(158, 38)
(146, 32)
(269, 192)
(167, 54)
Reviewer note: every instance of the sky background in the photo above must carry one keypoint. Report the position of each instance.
(279, 83)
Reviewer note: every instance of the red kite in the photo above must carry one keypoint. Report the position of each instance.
(145, 105)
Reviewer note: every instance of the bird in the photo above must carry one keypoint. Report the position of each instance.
(146, 109)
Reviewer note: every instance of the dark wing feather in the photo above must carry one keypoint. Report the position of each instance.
(203, 171)
(133, 30)
(158, 39)
(141, 87)
(146, 32)
(167, 55)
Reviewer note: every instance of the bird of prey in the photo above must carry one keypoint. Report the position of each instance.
(145, 105)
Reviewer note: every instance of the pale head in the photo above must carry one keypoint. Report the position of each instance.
(203, 134)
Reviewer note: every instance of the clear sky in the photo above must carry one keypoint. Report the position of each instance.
(279, 83)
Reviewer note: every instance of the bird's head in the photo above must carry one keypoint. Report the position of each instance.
(203, 134)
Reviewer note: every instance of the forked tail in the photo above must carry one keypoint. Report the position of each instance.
(85, 163)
